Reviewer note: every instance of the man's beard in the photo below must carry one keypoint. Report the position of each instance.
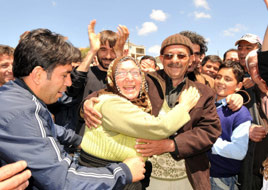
(102, 64)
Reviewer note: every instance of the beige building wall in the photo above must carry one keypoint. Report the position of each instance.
(135, 51)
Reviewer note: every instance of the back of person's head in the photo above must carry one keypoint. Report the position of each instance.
(43, 48)
(196, 39)
(77, 56)
(108, 35)
(212, 58)
(229, 50)
(236, 68)
(6, 50)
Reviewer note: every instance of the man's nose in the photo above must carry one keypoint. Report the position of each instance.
(68, 81)
(9, 69)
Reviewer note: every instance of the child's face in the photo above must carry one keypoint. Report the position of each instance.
(226, 83)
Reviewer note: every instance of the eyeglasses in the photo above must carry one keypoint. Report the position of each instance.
(170, 56)
(122, 74)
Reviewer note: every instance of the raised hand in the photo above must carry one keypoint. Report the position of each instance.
(122, 36)
(266, 3)
(94, 39)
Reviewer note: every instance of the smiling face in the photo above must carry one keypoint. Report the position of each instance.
(6, 74)
(244, 47)
(176, 59)
(105, 56)
(226, 83)
(128, 79)
(211, 68)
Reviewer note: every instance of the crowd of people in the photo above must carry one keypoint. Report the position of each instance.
(109, 121)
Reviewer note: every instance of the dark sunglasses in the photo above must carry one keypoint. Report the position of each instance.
(179, 56)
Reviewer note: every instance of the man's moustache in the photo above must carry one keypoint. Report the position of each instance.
(176, 65)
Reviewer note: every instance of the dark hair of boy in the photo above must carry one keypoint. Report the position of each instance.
(236, 67)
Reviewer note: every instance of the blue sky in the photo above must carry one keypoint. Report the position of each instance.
(221, 22)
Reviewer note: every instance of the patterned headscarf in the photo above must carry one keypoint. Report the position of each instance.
(142, 101)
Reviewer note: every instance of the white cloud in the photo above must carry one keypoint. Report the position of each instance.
(54, 3)
(232, 31)
(158, 15)
(201, 3)
(147, 27)
(154, 49)
(207, 40)
(199, 15)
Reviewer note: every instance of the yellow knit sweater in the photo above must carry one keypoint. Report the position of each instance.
(122, 123)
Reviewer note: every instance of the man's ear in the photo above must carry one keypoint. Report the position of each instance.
(239, 86)
(191, 59)
(38, 74)
(202, 57)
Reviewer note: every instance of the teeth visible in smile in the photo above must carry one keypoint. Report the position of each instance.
(129, 87)
(220, 88)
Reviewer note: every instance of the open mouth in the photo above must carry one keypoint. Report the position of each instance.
(129, 88)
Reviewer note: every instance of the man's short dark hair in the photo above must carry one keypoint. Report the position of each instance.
(149, 57)
(229, 50)
(236, 67)
(212, 58)
(108, 35)
(43, 48)
(7, 50)
(196, 39)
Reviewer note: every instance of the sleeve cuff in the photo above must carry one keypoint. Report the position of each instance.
(77, 139)
(127, 172)
(79, 73)
(176, 152)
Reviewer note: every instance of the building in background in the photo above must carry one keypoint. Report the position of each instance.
(135, 51)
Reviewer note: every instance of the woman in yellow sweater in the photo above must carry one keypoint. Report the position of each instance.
(126, 111)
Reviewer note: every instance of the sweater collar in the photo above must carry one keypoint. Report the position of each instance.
(221, 102)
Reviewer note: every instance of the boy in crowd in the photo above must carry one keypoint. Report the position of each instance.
(210, 65)
(231, 147)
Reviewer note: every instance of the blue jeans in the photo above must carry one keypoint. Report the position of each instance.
(224, 183)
